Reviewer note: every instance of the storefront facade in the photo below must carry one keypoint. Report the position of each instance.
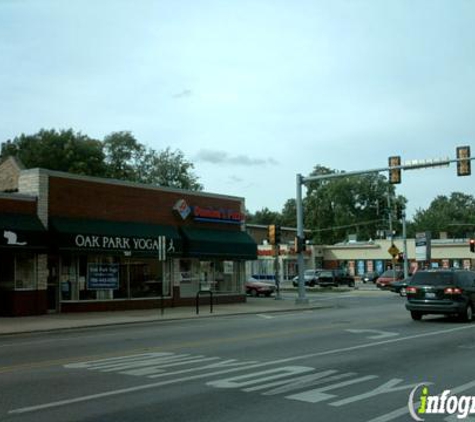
(116, 245)
(23, 257)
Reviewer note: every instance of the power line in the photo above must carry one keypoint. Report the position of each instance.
(363, 223)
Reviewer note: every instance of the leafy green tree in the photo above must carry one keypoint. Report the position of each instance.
(454, 215)
(124, 156)
(127, 159)
(62, 150)
(289, 213)
(169, 168)
(264, 217)
(336, 207)
(119, 156)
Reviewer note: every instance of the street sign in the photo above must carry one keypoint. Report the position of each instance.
(393, 250)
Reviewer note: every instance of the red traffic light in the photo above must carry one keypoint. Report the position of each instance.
(472, 245)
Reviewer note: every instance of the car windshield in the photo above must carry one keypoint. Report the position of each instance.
(432, 279)
(326, 274)
(310, 273)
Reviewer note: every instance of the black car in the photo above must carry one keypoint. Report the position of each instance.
(370, 277)
(446, 292)
(335, 278)
(400, 286)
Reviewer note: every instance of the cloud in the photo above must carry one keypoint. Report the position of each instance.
(222, 157)
(186, 93)
(235, 179)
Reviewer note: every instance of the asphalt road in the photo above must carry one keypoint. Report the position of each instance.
(357, 360)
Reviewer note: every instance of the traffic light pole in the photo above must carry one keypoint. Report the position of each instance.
(462, 159)
(404, 239)
(301, 298)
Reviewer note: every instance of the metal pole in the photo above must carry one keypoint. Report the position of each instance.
(276, 272)
(404, 239)
(301, 299)
(391, 233)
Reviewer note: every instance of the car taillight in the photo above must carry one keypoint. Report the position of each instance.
(452, 291)
(411, 290)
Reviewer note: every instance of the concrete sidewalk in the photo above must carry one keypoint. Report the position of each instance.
(51, 322)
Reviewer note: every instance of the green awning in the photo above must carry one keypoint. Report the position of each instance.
(224, 244)
(22, 231)
(115, 236)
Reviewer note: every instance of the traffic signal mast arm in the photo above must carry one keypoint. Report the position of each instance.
(413, 165)
(463, 161)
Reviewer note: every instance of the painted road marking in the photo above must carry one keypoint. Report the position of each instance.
(376, 334)
(265, 316)
(229, 368)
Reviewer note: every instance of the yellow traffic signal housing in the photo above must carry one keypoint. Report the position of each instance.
(394, 174)
(463, 166)
(274, 234)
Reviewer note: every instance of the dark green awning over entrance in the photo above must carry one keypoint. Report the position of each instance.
(219, 244)
(22, 231)
(115, 236)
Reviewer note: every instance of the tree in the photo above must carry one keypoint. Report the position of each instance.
(124, 156)
(454, 215)
(119, 156)
(334, 208)
(264, 217)
(289, 213)
(62, 150)
(169, 168)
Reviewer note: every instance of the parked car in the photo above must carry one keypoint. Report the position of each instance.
(256, 287)
(388, 277)
(310, 277)
(400, 286)
(370, 277)
(446, 292)
(335, 278)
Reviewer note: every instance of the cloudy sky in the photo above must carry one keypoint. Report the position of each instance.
(252, 92)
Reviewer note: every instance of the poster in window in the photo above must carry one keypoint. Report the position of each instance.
(103, 277)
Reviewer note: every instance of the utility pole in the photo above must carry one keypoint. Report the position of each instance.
(301, 299)
(404, 239)
(463, 161)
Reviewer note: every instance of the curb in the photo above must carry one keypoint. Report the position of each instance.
(155, 319)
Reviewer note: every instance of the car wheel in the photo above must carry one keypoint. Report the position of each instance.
(351, 284)
(416, 316)
(268, 294)
(402, 292)
(254, 293)
(467, 316)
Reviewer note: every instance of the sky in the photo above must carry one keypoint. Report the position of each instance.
(252, 92)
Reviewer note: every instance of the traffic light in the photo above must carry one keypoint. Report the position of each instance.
(394, 174)
(463, 166)
(472, 245)
(399, 212)
(278, 234)
(299, 244)
(275, 234)
(271, 234)
(400, 257)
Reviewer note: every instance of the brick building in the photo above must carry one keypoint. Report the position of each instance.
(104, 244)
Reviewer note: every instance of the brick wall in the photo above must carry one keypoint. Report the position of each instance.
(19, 205)
(90, 199)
